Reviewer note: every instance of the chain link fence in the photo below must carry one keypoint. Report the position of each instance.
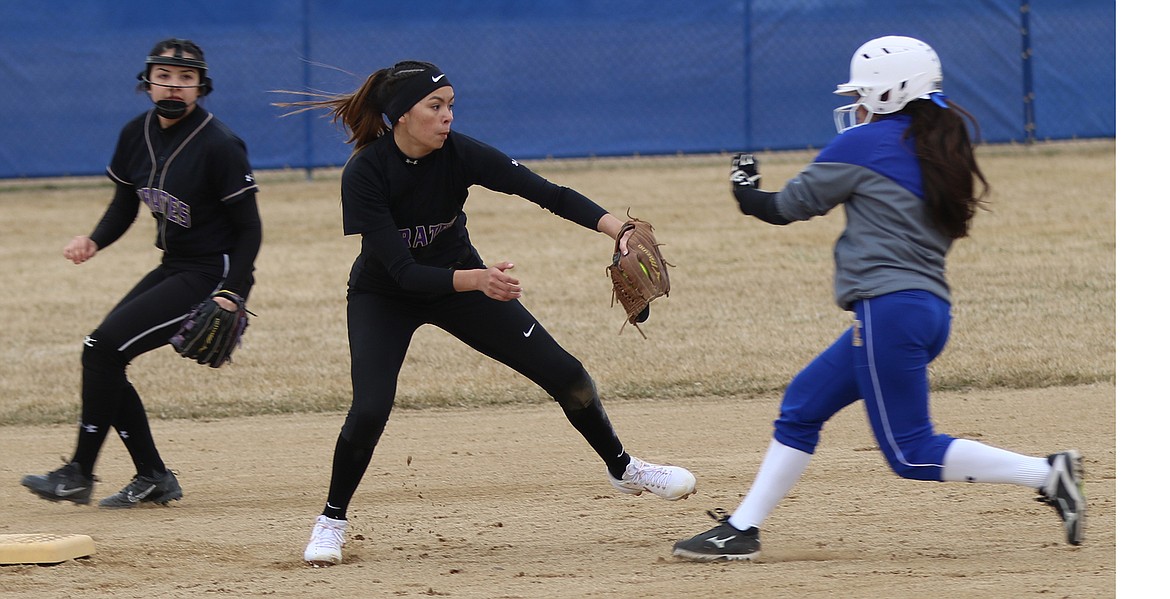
(553, 78)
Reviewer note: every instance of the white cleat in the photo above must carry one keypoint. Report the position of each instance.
(668, 482)
(324, 548)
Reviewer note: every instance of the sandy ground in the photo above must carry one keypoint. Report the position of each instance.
(510, 502)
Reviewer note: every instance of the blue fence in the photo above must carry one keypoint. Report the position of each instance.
(545, 78)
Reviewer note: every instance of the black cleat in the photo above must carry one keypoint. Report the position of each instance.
(724, 542)
(1065, 492)
(157, 489)
(66, 483)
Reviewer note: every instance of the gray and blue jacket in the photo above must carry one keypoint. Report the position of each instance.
(890, 242)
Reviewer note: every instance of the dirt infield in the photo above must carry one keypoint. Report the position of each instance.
(508, 501)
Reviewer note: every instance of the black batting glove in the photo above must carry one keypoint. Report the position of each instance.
(743, 171)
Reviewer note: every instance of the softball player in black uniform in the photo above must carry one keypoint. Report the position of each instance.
(193, 174)
(403, 191)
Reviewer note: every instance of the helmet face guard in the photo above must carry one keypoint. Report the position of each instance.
(886, 74)
(845, 117)
(177, 61)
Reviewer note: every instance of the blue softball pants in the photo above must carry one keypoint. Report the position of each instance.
(882, 359)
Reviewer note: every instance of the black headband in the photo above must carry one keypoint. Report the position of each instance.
(413, 89)
(176, 61)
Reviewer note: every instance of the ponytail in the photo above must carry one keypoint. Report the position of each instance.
(362, 112)
(952, 182)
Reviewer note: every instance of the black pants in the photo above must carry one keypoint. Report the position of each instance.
(380, 330)
(145, 319)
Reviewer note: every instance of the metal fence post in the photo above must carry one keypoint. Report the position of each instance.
(747, 76)
(306, 62)
(1026, 63)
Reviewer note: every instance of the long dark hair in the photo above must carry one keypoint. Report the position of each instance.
(952, 181)
(361, 111)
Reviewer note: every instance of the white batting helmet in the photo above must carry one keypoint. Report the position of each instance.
(886, 74)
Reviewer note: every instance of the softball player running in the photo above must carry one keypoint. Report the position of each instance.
(403, 191)
(193, 174)
(904, 170)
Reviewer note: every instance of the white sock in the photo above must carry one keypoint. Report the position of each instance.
(781, 468)
(971, 461)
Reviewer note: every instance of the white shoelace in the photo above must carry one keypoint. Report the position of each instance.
(327, 537)
(653, 476)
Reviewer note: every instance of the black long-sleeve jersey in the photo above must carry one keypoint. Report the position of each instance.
(410, 212)
(196, 180)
